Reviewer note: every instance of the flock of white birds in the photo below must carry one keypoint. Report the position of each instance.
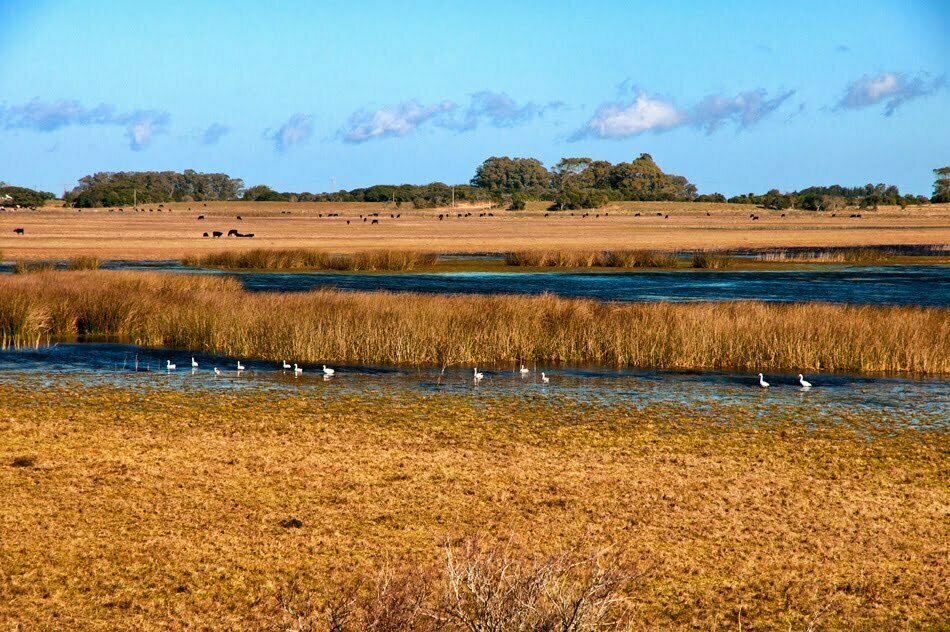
(478, 376)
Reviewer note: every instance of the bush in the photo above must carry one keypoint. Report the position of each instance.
(517, 202)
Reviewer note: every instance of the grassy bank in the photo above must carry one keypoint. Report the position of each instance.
(304, 259)
(153, 509)
(215, 315)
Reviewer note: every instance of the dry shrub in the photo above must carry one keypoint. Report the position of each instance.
(30, 267)
(478, 587)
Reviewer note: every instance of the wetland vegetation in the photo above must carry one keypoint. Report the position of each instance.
(216, 315)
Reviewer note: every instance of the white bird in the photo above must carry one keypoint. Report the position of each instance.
(297, 370)
(478, 376)
(217, 371)
(524, 371)
(169, 366)
(544, 378)
(803, 381)
(762, 382)
(240, 366)
(286, 366)
(194, 364)
(327, 371)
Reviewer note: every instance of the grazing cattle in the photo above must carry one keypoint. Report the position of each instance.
(491, 214)
(834, 214)
(204, 234)
(233, 232)
(636, 215)
(375, 221)
(391, 216)
(19, 231)
(201, 217)
(347, 222)
(545, 214)
(238, 216)
(245, 235)
(398, 215)
(783, 214)
(440, 217)
(216, 233)
(659, 214)
(666, 217)
(365, 219)
(708, 214)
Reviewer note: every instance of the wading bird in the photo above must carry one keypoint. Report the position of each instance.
(803, 382)
(169, 366)
(194, 364)
(297, 370)
(762, 382)
(327, 371)
(286, 366)
(524, 371)
(478, 376)
(544, 378)
(217, 372)
(240, 366)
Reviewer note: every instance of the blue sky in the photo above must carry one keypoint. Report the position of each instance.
(736, 96)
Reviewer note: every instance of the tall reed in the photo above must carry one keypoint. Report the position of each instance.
(591, 259)
(305, 259)
(216, 315)
(83, 263)
(711, 261)
(829, 255)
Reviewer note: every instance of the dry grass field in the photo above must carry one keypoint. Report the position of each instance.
(142, 508)
(173, 231)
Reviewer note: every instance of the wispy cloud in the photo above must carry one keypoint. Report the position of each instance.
(892, 88)
(498, 110)
(213, 133)
(623, 119)
(495, 109)
(49, 116)
(296, 130)
(842, 48)
(744, 109)
(391, 121)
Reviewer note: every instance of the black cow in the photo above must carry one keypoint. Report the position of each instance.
(204, 234)
(216, 233)
(232, 233)
(375, 221)
(19, 231)
(201, 217)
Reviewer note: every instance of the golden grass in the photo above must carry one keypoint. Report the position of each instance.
(83, 263)
(711, 261)
(215, 315)
(150, 509)
(29, 267)
(305, 259)
(591, 259)
(62, 233)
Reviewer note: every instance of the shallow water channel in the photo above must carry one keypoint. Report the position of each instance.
(924, 401)
(927, 285)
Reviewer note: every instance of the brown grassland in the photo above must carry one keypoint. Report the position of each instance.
(173, 231)
(214, 314)
(143, 508)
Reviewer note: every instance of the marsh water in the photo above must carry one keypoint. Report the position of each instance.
(927, 285)
(925, 402)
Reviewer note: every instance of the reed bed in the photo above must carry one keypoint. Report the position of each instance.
(83, 263)
(711, 261)
(29, 267)
(591, 259)
(306, 259)
(217, 316)
(836, 255)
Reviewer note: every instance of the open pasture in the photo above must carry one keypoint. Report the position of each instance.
(173, 231)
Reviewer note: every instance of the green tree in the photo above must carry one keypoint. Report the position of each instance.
(941, 185)
(504, 174)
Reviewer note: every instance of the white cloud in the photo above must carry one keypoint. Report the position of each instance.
(744, 109)
(391, 121)
(618, 120)
(214, 133)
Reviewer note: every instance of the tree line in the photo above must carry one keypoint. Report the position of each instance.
(572, 183)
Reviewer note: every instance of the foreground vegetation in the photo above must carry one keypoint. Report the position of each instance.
(216, 315)
(141, 508)
(307, 259)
